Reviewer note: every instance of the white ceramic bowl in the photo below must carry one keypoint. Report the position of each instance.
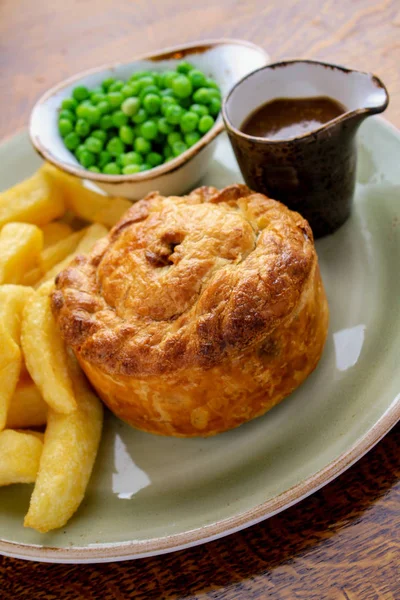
(226, 61)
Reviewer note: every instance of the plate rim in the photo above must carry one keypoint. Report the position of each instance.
(119, 551)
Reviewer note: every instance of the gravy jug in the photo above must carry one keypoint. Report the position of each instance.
(314, 172)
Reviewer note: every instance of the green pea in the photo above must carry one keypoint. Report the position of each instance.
(149, 89)
(173, 137)
(130, 106)
(119, 118)
(184, 67)
(116, 86)
(168, 77)
(214, 93)
(106, 122)
(134, 86)
(166, 92)
(118, 160)
(169, 158)
(167, 151)
(181, 86)
(205, 123)
(142, 145)
(215, 106)
(82, 127)
(93, 115)
(104, 107)
(89, 112)
(152, 103)
(199, 109)
(189, 121)
(94, 145)
(65, 127)
(126, 134)
(87, 158)
(164, 126)
(72, 140)
(115, 146)
(131, 169)
(154, 159)
(167, 101)
(148, 130)
(146, 81)
(178, 148)
(99, 134)
(97, 90)
(126, 91)
(66, 114)
(158, 79)
(69, 104)
(197, 78)
(145, 167)
(111, 169)
(139, 75)
(97, 98)
(140, 116)
(115, 99)
(94, 169)
(81, 111)
(192, 138)
(80, 93)
(211, 83)
(107, 83)
(202, 96)
(104, 158)
(173, 114)
(79, 149)
(131, 158)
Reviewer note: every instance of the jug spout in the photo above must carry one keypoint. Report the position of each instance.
(362, 94)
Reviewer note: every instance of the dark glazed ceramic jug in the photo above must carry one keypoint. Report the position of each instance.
(313, 173)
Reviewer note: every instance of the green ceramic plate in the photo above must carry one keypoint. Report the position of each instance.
(150, 495)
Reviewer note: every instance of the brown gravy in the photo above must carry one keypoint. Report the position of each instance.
(285, 118)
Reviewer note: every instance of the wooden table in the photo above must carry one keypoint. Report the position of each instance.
(344, 541)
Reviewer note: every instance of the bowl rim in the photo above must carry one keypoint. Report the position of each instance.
(309, 134)
(178, 51)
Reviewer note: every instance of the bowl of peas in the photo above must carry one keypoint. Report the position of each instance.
(150, 124)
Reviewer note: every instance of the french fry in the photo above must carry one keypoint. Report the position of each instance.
(69, 451)
(20, 247)
(45, 354)
(91, 235)
(63, 248)
(86, 203)
(12, 301)
(32, 276)
(54, 232)
(31, 201)
(10, 366)
(53, 255)
(27, 407)
(111, 212)
(19, 456)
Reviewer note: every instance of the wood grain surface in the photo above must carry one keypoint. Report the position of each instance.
(342, 543)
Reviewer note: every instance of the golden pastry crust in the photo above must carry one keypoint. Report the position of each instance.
(196, 313)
